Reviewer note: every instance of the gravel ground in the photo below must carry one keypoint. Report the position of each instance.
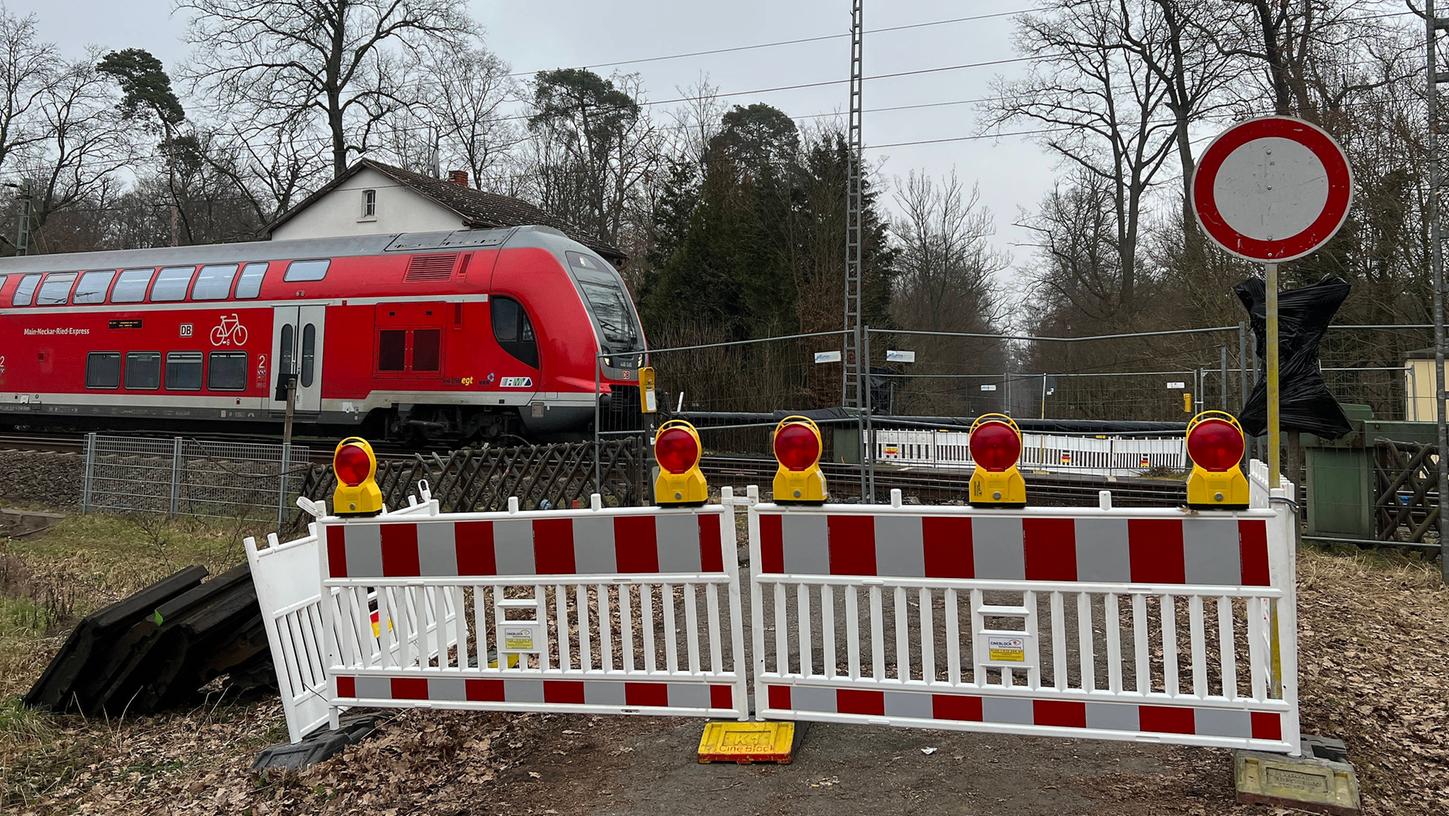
(1374, 644)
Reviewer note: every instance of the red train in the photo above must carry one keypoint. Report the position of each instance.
(463, 334)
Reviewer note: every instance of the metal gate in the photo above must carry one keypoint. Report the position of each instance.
(620, 610)
(1157, 625)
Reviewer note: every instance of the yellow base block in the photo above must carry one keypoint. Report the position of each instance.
(746, 742)
(1304, 783)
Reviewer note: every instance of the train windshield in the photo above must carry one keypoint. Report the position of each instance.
(609, 302)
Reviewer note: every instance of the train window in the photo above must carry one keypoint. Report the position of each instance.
(92, 287)
(513, 331)
(309, 353)
(214, 282)
(143, 369)
(426, 344)
(250, 284)
(26, 290)
(582, 261)
(103, 369)
(183, 371)
(172, 283)
(611, 308)
(131, 287)
(306, 271)
(391, 350)
(56, 289)
(289, 339)
(227, 371)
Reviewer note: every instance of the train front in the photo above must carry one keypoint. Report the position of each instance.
(620, 338)
(573, 307)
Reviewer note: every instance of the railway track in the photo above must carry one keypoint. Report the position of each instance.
(67, 443)
(923, 484)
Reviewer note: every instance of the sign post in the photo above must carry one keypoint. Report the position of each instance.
(1271, 190)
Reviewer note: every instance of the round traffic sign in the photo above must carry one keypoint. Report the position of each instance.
(1272, 189)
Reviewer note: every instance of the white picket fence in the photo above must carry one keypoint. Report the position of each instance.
(1058, 453)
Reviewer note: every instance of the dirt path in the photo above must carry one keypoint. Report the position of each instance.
(1374, 643)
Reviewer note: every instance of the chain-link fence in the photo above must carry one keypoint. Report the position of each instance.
(192, 477)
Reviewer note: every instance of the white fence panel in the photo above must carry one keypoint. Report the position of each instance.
(1143, 624)
(288, 581)
(1102, 456)
(621, 610)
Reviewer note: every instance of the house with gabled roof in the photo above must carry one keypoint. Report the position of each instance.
(372, 197)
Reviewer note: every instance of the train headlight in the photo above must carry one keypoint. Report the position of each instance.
(798, 480)
(355, 466)
(1215, 446)
(995, 444)
(677, 450)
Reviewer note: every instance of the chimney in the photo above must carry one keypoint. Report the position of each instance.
(459, 177)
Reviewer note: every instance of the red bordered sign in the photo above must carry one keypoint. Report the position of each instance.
(1272, 189)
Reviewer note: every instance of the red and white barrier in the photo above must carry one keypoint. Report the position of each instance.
(288, 581)
(1158, 625)
(618, 610)
(1126, 624)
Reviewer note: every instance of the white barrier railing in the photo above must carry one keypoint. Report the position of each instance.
(1158, 625)
(288, 581)
(1125, 624)
(620, 610)
(1102, 456)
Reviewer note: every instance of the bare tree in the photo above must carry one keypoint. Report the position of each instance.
(286, 57)
(28, 72)
(86, 144)
(471, 88)
(1078, 276)
(1101, 104)
(697, 121)
(945, 269)
(1193, 75)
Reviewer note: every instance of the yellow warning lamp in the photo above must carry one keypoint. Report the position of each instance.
(798, 480)
(677, 450)
(1215, 446)
(995, 443)
(355, 465)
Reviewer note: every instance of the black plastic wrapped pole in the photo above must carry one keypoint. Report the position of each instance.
(1304, 316)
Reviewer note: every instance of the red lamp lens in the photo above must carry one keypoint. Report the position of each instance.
(994, 446)
(1215, 445)
(676, 450)
(797, 447)
(351, 465)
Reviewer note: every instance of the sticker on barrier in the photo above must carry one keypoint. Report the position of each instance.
(617, 610)
(1124, 624)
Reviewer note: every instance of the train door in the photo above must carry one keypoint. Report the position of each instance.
(297, 333)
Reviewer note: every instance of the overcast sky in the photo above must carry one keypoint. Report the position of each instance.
(1012, 173)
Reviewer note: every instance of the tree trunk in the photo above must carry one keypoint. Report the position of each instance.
(339, 137)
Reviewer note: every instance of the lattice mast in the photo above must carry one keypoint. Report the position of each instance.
(853, 367)
(1434, 79)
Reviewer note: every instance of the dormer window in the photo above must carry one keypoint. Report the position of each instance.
(369, 204)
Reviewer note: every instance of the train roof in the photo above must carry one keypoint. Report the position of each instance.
(302, 248)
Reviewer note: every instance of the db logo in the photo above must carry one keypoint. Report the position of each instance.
(229, 332)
